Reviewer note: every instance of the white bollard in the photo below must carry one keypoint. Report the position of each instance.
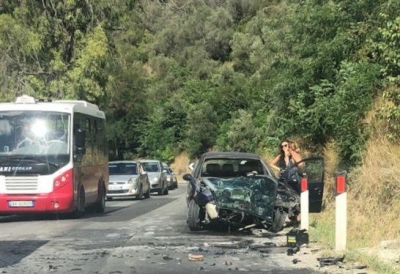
(341, 213)
(304, 203)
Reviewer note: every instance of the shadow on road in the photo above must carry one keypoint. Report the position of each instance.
(11, 252)
(112, 213)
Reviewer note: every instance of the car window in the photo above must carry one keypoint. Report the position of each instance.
(231, 167)
(151, 166)
(122, 169)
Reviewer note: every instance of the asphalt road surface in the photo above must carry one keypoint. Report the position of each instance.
(147, 236)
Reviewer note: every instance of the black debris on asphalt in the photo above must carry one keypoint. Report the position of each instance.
(330, 260)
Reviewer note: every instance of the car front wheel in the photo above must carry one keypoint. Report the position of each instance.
(194, 216)
(166, 191)
(279, 220)
(147, 194)
(140, 195)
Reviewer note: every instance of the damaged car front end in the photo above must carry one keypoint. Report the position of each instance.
(240, 202)
(240, 190)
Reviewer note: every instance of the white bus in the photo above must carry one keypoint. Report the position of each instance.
(53, 157)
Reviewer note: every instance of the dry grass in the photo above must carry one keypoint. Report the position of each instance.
(373, 198)
(374, 195)
(181, 166)
(373, 207)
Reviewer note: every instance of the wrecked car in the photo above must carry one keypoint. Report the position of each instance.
(240, 190)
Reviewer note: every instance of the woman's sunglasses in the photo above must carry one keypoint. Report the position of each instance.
(285, 145)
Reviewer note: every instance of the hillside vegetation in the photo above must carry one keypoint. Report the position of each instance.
(190, 76)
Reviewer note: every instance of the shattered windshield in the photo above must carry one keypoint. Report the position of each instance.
(34, 133)
(253, 194)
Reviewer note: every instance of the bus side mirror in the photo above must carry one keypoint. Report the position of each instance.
(80, 139)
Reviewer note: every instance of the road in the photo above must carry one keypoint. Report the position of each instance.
(147, 236)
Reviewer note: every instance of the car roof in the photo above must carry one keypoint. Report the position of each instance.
(230, 155)
(239, 155)
(122, 162)
(148, 160)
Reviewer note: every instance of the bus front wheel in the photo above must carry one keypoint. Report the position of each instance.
(80, 205)
(100, 206)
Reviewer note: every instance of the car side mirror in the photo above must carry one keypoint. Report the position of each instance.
(187, 177)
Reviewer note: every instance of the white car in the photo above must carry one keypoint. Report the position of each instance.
(157, 176)
(127, 179)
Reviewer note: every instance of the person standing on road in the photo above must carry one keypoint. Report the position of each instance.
(288, 156)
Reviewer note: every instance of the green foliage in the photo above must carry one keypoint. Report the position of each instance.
(388, 54)
(202, 75)
(201, 129)
(239, 134)
(161, 136)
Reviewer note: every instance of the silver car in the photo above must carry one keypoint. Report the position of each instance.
(127, 179)
(171, 177)
(157, 176)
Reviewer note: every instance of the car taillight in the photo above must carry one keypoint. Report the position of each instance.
(64, 179)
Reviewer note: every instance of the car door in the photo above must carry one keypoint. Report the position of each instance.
(313, 168)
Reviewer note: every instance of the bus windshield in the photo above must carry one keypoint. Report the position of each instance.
(34, 133)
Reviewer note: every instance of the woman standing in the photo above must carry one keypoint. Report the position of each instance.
(288, 156)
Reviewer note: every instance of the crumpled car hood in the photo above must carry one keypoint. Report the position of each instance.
(253, 195)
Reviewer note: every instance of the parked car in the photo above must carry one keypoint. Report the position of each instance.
(157, 176)
(127, 179)
(241, 190)
(171, 177)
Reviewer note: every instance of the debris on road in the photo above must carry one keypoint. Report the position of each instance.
(167, 258)
(297, 237)
(356, 266)
(234, 245)
(262, 246)
(295, 261)
(263, 233)
(330, 260)
(196, 257)
(292, 251)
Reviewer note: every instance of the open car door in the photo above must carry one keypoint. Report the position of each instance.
(313, 168)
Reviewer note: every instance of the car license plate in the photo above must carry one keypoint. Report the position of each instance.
(20, 203)
(112, 187)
